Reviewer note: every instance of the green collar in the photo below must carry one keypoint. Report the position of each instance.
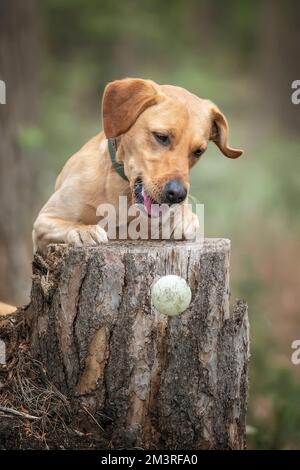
(119, 167)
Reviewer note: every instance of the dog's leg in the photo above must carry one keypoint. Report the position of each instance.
(58, 222)
(50, 229)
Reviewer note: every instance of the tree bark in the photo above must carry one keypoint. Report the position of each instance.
(153, 381)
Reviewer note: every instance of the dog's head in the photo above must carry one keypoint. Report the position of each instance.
(164, 131)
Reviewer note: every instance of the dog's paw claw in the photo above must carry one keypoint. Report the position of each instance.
(90, 235)
(186, 226)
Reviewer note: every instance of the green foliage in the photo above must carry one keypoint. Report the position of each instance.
(30, 138)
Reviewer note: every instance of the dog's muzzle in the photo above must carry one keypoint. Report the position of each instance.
(174, 193)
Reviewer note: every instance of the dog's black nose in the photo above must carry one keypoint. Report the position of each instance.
(175, 192)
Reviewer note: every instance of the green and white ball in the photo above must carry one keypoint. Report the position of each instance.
(171, 295)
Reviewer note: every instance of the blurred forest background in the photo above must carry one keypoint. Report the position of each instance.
(56, 57)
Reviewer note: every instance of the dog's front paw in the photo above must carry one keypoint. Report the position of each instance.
(186, 225)
(191, 227)
(91, 235)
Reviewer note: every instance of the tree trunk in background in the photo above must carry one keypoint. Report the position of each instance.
(19, 45)
(279, 41)
(150, 381)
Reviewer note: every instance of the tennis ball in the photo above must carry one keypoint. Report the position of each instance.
(171, 295)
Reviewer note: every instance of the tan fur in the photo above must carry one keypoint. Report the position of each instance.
(132, 110)
(6, 309)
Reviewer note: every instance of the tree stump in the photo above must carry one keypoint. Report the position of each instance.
(152, 381)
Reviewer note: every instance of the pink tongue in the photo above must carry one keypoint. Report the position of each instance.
(152, 209)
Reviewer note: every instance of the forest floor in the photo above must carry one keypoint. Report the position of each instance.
(34, 414)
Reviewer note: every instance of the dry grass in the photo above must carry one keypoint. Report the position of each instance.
(28, 394)
(33, 412)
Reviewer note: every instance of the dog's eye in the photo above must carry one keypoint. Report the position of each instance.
(162, 139)
(197, 153)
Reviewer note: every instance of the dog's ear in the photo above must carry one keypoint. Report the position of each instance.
(123, 102)
(219, 134)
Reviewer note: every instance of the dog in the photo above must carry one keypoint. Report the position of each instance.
(152, 136)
